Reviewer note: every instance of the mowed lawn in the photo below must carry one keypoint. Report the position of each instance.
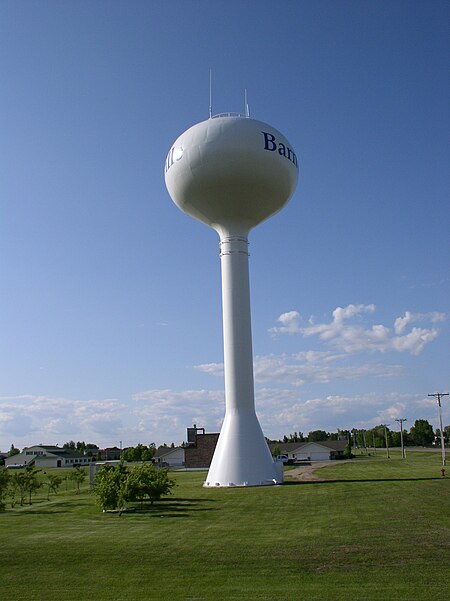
(376, 529)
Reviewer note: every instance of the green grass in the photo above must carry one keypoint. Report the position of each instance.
(374, 530)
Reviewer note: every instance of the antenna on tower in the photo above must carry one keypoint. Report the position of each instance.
(210, 93)
(246, 108)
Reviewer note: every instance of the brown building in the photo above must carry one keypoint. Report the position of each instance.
(109, 454)
(200, 448)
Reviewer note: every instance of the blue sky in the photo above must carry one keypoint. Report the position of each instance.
(110, 312)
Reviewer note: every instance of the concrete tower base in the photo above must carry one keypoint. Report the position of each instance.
(242, 457)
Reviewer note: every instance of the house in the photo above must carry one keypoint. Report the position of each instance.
(323, 450)
(169, 457)
(45, 456)
(200, 448)
(110, 454)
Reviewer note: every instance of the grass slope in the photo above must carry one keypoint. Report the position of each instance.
(373, 530)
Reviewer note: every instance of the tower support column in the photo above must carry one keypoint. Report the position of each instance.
(242, 456)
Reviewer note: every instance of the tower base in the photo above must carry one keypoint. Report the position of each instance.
(242, 457)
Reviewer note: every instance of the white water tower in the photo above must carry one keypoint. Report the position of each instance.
(232, 172)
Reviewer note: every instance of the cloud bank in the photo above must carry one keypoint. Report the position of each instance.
(163, 415)
(357, 338)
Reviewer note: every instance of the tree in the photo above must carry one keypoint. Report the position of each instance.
(394, 439)
(4, 481)
(361, 439)
(17, 487)
(147, 454)
(317, 435)
(295, 437)
(348, 447)
(421, 433)
(78, 476)
(32, 480)
(81, 447)
(276, 451)
(109, 487)
(139, 453)
(115, 485)
(13, 451)
(446, 435)
(53, 482)
(24, 482)
(145, 481)
(91, 449)
(376, 437)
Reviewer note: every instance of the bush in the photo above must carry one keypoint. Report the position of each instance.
(115, 485)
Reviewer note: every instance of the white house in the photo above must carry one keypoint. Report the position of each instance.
(46, 456)
(169, 457)
(323, 450)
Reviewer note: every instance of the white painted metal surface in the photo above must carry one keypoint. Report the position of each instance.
(231, 173)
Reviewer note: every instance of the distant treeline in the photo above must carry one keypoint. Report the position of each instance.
(420, 434)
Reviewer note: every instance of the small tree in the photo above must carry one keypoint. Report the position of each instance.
(4, 482)
(109, 487)
(32, 480)
(23, 483)
(17, 488)
(13, 451)
(276, 451)
(78, 476)
(145, 481)
(53, 482)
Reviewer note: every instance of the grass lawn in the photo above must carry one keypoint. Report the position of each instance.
(375, 529)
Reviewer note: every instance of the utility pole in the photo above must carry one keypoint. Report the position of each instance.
(385, 436)
(437, 396)
(401, 420)
(364, 440)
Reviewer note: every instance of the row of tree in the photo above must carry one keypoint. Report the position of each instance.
(89, 449)
(420, 434)
(20, 486)
(140, 452)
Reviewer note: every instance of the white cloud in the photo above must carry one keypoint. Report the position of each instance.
(355, 338)
(316, 368)
(401, 322)
(171, 412)
(31, 419)
(290, 323)
(213, 369)
(310, 367)
(284, 411)
(163, 415)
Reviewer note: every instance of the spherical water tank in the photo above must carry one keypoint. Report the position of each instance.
(231, 171)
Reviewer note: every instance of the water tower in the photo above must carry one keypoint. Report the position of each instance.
(232, 172)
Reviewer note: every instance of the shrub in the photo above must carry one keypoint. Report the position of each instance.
(114, 485)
